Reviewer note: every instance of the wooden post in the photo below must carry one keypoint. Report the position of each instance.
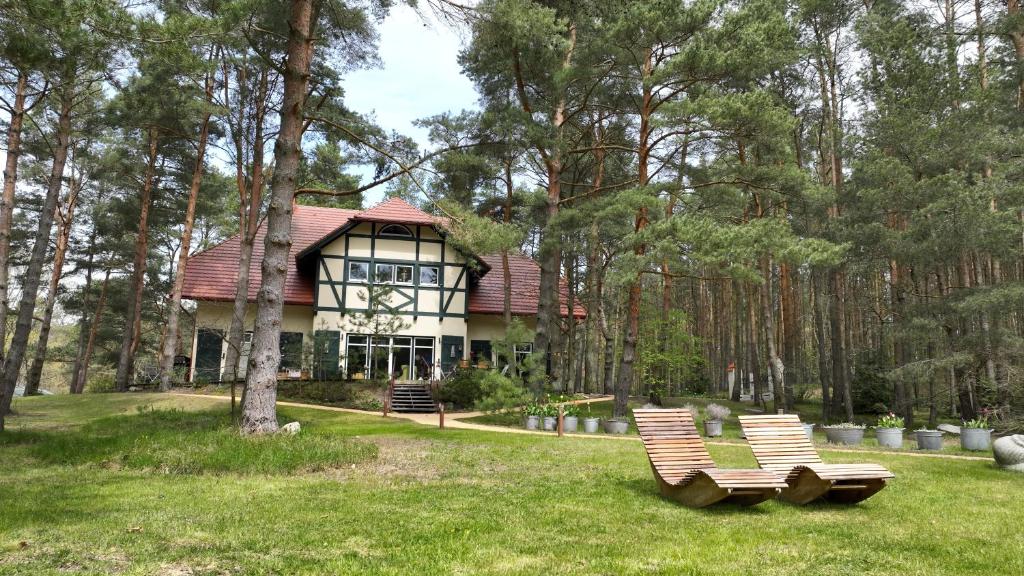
(232, 400)
(387, 398)
(561, 416)
(440, 415)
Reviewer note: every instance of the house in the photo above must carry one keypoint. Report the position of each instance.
(369, 294)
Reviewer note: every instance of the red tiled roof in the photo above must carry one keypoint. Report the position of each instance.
(488, 297)
(396, 210)
(211, 275)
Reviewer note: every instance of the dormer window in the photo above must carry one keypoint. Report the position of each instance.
(395, 230)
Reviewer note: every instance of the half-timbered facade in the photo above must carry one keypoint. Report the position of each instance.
(371, 294)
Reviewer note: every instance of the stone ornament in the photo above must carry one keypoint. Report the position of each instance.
(1009, 452)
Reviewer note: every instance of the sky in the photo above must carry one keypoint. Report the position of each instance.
(419, 77)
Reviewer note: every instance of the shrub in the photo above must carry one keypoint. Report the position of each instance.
(869, 388)
(717, 412)
(464, 388)
(499, 394)
(977, 423)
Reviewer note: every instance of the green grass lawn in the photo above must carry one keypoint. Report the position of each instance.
(93, 485)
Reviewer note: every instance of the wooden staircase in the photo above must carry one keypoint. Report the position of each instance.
(412, 398)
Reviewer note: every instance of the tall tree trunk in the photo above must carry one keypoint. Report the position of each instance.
(506, 272)
(635, 290)
(824, 373)
(259, 411)
(7, 200)
(546, 340)
(30, 284)
(775, 364)
(133, 316)
(81, 376)
(83, 321)
(66, 219)
(171, 337)
(250, 203)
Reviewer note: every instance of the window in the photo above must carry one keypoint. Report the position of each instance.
(325, 354)
(358, 271)
(428, 275)
(393, 274)
(356, 355)
(521, 351)
(424, 358)
(403, 274)
(395, 230)
(381, 357)
(385, 273)
(291, 351)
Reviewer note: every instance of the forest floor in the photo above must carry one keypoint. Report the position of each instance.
(122, 484)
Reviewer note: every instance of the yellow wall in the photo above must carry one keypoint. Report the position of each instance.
(217, 315)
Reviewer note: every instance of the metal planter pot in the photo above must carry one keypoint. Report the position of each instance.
(569, 423)
(809, 430)
(929, 439)
(550, 422)
(616, 426)
(975, 438)
(849, 436)
(712, 428)
(889, 437)
(532, 422)
(590, 425)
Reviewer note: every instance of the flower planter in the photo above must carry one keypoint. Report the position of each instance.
(809, 430)
(590, 425)
(929, 439)
(975, 438)
(889, 437)
(712, 428)
(550, 422)
(532, 422)
(569, 423)
(849, 436)
(616, 426)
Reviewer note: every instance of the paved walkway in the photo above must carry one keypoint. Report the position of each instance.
(455, 420)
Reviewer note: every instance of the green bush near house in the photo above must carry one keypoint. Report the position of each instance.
(500, 394)
(464, 388)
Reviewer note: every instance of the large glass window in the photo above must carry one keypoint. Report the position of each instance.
(291, 351)
(401, 358)
(428, 275)
(358, 271)
(424, 358)
(381, 357)
(355, 356)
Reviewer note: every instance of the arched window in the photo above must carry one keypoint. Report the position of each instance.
(395, 230)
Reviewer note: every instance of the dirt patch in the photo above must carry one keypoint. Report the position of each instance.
(398, 459)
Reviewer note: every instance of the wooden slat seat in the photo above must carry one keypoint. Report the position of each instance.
(780, 445)
(684, 469)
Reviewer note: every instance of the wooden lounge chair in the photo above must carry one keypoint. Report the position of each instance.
(780, 445)
(685, 471)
